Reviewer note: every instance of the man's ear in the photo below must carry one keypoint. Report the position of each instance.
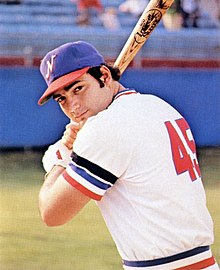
(106, 77)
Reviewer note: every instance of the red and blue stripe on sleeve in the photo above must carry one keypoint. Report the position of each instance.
(89, 178)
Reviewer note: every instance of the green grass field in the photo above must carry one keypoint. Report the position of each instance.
(84, 243)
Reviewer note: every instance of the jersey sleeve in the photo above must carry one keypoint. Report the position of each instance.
(96, 164)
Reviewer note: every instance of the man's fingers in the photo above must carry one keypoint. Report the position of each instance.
(70, 133)
(69, 138)
(68, 142)
(81, 123)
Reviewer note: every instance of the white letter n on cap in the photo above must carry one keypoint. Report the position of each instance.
(50, 66)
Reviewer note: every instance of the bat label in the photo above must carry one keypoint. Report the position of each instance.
(147, 25)
(162, 5)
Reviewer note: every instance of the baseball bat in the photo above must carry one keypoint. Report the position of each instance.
(149, 19)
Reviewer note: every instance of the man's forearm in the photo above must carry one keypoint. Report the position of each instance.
(59, 202)
(50, 179)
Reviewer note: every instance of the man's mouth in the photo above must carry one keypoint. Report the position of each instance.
(80, 115)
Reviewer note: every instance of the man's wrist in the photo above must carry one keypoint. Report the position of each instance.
(56, 170)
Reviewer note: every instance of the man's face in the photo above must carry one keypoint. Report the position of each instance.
(83, 98)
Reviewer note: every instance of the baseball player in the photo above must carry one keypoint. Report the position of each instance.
(134, 155)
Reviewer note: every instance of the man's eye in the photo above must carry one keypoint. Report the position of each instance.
(60, 99)
(77, 89)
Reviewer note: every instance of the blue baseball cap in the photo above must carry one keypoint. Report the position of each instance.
(65, 64)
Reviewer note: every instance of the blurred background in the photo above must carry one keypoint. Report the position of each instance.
(179, 63)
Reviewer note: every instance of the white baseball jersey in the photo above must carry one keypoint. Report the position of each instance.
(137, 159)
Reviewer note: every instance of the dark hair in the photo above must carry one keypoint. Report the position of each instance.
(96, 73)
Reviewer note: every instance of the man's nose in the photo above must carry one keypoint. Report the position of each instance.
(74, 107)
(73, 103)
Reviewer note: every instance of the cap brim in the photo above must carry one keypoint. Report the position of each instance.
(60, 83)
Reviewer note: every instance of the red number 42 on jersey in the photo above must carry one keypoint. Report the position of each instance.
(183, 148)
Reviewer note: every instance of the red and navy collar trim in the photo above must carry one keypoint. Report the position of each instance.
(124, 92)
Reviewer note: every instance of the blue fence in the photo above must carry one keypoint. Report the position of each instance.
(195, 93)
